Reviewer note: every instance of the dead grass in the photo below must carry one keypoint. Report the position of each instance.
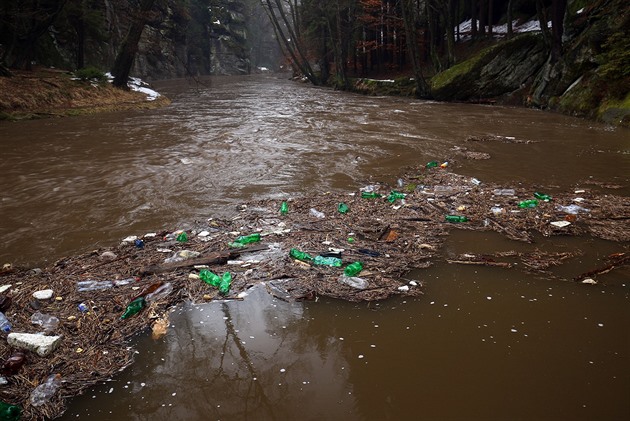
(53, 93)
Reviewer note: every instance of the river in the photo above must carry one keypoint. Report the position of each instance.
(482, 343)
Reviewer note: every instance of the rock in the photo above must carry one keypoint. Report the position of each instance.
(40, 344)
(43, 295)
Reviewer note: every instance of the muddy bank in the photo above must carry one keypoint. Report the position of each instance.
(390, 235)
(45, 92)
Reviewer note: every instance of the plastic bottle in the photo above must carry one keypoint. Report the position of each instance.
(370, 195)
(504, 192)
(161, 292)
(138, 243)
(46, 321)
(284, 208)
(13, 364)
(456, 218)
(210, 278)
(5, 325)
(353, 269)
(343, 208)
(245, 239)
(394, 195)
(317, 214)
(226, 281)
(444, 164)
(182, 237)
(92, 285)
(134, 307)
(300, 255)
(541, 196)
(532, 203)
(327, 261)
(9, 412)
(42, 393)
(432, 164)
(83, 307)
(354, 282)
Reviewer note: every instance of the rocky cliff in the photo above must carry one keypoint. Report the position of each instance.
(591, 77)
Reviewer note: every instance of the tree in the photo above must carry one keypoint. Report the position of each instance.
(23, 23)
(409, 18)
(129, 47)
(285, 20)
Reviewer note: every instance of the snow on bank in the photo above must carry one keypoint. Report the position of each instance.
(465, 28)
(138, 85)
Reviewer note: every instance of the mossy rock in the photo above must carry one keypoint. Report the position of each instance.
(495, 71)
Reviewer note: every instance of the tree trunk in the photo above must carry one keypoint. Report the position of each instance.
(127, 54)
(473, 19)
(542, 19)
(558, 8)
(510, 29)
(408, 13)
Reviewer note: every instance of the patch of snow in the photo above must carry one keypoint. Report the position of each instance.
(138, 85)
(465, 28)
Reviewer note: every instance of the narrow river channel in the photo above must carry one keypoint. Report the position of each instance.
(481, 344)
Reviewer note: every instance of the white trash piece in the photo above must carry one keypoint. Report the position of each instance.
(354, 282)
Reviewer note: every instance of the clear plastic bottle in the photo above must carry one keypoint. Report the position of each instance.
(5, 324)
(317, 214)
(93, 285)
(46, 321)
(163, 291)
(354, 282)
(42, 393)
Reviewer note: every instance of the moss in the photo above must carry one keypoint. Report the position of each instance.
(615, 111)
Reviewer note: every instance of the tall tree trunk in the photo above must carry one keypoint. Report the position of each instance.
(127, 54)
(542, 19)
(473, 19)
(408, 13)
(490, 17)
(449, 12)
(558, 8)
(510, 29)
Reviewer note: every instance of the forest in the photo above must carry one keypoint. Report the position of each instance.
(334, 42)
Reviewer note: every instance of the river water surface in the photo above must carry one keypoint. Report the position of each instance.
(482, 343)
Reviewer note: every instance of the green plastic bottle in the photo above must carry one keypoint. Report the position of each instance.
(300, 255)
(245, 239)
(532, 203)
(432, 164)
(327, 261)
(284, 208)
(210, 278)
(343, 208)
(134, 307)
(394, 195)
(9, 412)
(456, 218)
(182, 237)
(353, 269)
(541, 196)
(370, 195)
(226, 281)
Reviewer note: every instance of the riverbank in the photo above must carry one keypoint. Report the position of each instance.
(45, 93)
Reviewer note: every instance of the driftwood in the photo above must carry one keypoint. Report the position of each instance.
(481, 263)
(216, 258)
(623, 261)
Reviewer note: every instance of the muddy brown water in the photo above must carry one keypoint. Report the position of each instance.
(482, 343)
